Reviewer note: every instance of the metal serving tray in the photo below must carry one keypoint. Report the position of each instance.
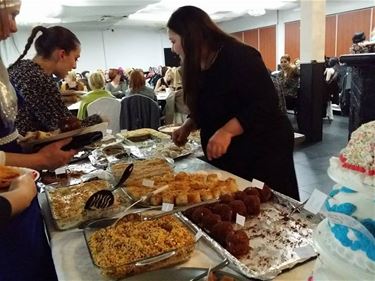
(277, 242)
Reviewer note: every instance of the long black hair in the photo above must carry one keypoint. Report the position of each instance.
(197, 31)
(52, 38)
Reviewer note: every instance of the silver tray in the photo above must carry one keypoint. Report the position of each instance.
(157, 148)
(273, 239)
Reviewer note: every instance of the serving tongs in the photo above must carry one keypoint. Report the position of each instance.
(297, 208)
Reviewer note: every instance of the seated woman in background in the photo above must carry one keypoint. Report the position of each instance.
(71, 88)
(40, 105)
(117, 85)
(71, 83)
(97, 83)
(177, 78)
(165, 82)
(288, 79)
(137, 85)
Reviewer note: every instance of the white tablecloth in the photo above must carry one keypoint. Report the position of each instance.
(73, 262)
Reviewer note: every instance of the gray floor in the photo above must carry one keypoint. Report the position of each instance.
(312, 160)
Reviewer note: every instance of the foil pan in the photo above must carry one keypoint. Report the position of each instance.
(74, 174)
(160, 148)
(277, 242)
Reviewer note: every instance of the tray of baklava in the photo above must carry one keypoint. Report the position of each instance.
(180, 189)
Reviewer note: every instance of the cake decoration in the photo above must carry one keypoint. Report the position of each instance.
(350, 243)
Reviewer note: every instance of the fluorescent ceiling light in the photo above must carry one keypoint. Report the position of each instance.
(256, 12)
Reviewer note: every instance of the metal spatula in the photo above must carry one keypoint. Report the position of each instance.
(105, 198)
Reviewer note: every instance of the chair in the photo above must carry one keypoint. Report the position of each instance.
(176, 111)
(138, 111)
(109, 108)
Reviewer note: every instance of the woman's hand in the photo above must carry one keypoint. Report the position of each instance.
(218, 144)
(52, 156)
(21, 192)
(180, 135)
(26, 185)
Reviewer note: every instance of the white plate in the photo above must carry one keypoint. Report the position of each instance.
(22, 171)
(169, 129)
(34, 173)
(102, 127)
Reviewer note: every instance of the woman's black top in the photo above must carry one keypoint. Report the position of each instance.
(237, 85)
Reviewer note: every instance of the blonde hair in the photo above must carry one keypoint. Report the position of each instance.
(96, 80)
(72, 75)
(177, 79)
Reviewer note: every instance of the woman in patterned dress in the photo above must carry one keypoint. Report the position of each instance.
(40, 106)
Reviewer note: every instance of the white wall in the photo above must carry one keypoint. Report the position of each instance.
(135, 47)
(141, 47)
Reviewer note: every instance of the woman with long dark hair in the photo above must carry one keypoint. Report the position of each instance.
(233, 102)
(41, 107)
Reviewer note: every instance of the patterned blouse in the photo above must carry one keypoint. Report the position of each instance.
(40, 107)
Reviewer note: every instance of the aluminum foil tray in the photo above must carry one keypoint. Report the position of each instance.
(276, 240)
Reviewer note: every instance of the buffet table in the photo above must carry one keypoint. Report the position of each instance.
(73, 262)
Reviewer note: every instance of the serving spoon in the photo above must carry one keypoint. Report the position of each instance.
(105, 198)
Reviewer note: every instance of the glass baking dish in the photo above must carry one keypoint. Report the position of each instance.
(135, 245)
(67, 204)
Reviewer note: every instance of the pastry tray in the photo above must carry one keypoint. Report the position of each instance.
(165, 259)
(276, 241)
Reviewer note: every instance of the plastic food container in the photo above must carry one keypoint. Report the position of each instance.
(135, 245)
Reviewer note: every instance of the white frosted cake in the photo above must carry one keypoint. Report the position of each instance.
(356, 163)
(345, 252)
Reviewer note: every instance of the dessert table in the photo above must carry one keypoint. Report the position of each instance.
(73, 262)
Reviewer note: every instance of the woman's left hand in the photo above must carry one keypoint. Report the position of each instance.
(218, 144)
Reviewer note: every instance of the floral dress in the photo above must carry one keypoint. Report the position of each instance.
(40, 107)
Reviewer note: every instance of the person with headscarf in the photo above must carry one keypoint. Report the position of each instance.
(24, 250)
